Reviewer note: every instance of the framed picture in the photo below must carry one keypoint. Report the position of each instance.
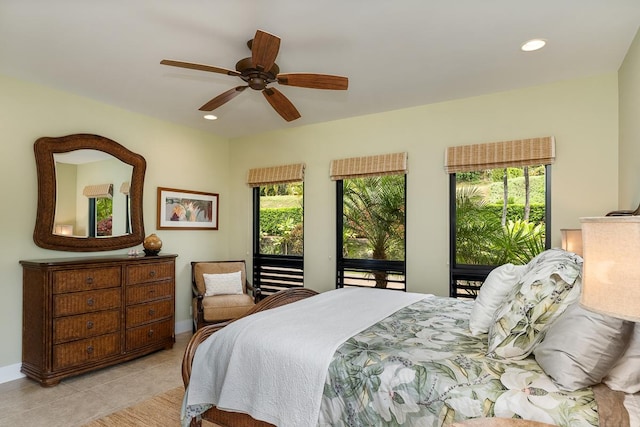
(187, 210)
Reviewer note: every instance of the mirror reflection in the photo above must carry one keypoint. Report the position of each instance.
(92, 190)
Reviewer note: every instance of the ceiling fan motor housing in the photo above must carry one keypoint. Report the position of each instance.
(256, 78)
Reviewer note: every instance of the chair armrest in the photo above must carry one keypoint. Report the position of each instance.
(256, 291)
(196, 293)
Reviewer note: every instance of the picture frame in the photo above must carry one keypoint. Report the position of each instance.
(187, 210)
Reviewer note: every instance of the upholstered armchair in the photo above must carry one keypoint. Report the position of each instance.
(221, 291)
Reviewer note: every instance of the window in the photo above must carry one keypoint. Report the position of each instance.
(100, 199)
(104, 215)
(371, 206)
(278, 227)
(499, 214)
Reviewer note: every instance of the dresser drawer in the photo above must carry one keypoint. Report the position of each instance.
(85, 279)
(150, 292)
(85, 325)
(150, 272)
(86, 302)
(149, 334)
(149, 312)
(84, 351)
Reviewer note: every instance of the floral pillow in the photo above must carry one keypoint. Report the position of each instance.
(550, 284)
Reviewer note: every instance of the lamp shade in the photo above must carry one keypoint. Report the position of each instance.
(611, 269)
(63, 229)
(572, 240)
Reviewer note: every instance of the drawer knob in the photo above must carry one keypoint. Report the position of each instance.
(89, 280)
(89, 324)
(151, 312)
(90, 302)
(150, 333)
(90, 349)
(152, 291)
(152, 273)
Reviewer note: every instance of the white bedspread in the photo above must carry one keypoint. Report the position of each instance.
(273, 364)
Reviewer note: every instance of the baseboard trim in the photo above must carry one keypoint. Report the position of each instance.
(10, 373)
(184, 326)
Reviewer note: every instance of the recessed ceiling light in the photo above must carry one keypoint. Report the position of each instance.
(534, 44)
(210, 117)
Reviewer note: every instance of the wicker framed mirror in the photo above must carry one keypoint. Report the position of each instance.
(48, 152)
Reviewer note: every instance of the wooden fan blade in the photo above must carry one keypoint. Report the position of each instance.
(314, 81)
(264, 49)
(200, 67)
(223, 98)
(281, 104)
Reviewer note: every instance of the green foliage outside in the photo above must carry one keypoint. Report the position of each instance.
(271, 219)
(374, 220)
(281, 219)
(104, 211)
(516, 211)
(481, 239)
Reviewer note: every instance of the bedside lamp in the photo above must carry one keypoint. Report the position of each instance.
(611, 269)
(63, 229)
(572, 240)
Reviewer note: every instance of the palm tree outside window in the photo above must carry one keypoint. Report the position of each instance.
(370, 217)
(500, 204)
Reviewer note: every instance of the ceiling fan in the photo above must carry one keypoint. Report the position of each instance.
(259, 71)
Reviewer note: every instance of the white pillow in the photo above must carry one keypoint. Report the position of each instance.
(500, 281)
(625, 374)
(223, 284)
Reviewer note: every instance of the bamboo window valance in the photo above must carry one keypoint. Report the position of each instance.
(98, 191)
(276, 175)
(362, 167)
(520, 152)
(125, 188)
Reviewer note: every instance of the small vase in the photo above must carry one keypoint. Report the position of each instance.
(152, 245)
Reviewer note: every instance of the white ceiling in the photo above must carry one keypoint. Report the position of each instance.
(397, 54)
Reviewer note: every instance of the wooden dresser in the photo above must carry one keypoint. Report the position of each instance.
(85, 313)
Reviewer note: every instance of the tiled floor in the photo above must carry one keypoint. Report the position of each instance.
(78, 400)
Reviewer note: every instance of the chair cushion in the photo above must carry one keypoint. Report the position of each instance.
(201, 268)
(225, 307)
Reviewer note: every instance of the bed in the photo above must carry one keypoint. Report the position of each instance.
(364, 357)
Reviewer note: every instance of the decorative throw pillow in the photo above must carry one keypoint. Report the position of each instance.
(625, 374)
(494, 290)
(223, 284)
(581, 347)
(551, 283)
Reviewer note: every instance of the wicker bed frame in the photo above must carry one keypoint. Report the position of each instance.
(612, 412)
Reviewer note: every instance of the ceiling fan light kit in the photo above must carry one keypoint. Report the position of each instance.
(259, 71)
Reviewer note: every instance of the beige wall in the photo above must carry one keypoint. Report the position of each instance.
(581, 114)
(176, 156)
(629, 174)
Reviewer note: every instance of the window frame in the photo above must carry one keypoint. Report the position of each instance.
(274, 272)
(350, 264)
(479, 273)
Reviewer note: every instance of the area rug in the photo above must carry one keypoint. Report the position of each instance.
(159, 411)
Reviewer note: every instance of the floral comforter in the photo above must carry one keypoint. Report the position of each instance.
(422, 367)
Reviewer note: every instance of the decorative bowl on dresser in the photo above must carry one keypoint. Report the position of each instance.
(85, 313)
